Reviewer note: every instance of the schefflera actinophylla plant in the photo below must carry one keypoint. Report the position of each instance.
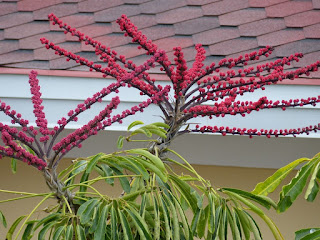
(193, 88)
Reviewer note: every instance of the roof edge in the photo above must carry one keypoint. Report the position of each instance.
(156, 76)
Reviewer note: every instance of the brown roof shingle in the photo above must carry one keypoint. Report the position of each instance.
(226, 28)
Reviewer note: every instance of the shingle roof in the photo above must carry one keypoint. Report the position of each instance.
(225, 28)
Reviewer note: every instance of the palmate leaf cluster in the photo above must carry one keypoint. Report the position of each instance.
(156, 202)
(306, 179)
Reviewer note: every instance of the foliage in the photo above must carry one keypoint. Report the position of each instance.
(155, 198)
(307, 177)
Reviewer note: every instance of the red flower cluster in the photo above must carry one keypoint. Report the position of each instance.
(193, 88)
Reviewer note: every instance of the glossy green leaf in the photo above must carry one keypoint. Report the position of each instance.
(254, 227)
(107, 173)
(262, 200)
(201, 223)
(161, 124)
(13, 165)
(101, 227)
(13, 227)
(142, 131)
(166, 216)
(96, 218)
(114, 223)
(301, 234)
(58, 233)
(313, 187)
(292, 190)
(183, 218)
(136, 166)
(174, 218)
(93, 162)
(120, 141)
(157, 223)
(27, 234)
(69, 232)
(135, 123)
(245, 223)
(141, 225)
(80, 233)
(211, 217)
(272, 182)
(44, 230)
(127, 234)
(87, 214)
(158, 132)
(235, 230)
(3, 219)
(79, 167)
(186, 191)
(223, 233)
(84, 206)
(218, 214)
(50, 218)
(154, 159)
(123, 180)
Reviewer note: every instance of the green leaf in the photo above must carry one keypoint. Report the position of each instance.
(107, 173)
(141, 225)
(95, 222)
(44, 230)
(69, 232)
(218, 214)
(93, 162)
(84, 206)
(13, 227)
(120, 142)
(27, 232)
(136, 166)
(232, 219)
(161, 124)
(154, 159)
(166, 216)
(114, 223)
(3, 219)
(88, 212)
(201, 223)
(174, 218)
(13, 165)
(123, 180)
(306, 234)
(254, 227)
(262, 200)
(313, 187)
(183, 217)
(101, 227)
(127, 234)
(80, 233)
(186, 191)
(50, 218)
(245, 223)
(135, 123)
(156, 211)
(84, 178)
(158, 132)
(155, 169)
(79, 167)
(272, 182)
(212, 210)
(142, 131)
(58, 232)
(291, 191)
